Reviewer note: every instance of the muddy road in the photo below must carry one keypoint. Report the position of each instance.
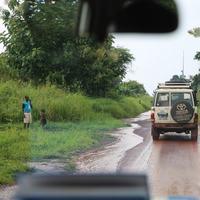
(172, 163)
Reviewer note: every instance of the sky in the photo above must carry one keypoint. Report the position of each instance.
(158, 57)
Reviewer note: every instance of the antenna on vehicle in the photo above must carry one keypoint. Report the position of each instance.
(183, 69)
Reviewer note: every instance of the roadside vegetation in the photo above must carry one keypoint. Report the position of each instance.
(196, 78)
(75, 123)
(198, 99)
(78, 82)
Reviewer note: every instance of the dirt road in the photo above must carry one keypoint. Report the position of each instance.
(172, 163)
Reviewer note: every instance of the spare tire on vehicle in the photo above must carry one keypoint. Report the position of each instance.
(182, 112)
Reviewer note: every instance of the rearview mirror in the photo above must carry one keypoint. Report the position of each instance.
(99, 17)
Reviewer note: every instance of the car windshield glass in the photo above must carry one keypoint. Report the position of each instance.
(73, 105)
(162, 99)
(181, 96)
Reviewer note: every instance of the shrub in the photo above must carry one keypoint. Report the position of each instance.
(64, 106)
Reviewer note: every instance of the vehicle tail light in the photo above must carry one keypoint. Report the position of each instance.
(195, 118)
(152, 117)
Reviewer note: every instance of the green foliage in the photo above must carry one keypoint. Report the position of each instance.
(196, 82)
(15, 150)
(131, 88)
(198, 99)
(57, 140)
(195, 32)
(6, 73)
(124, 107)
(41, 45)
(10, 108)
(197, 56)
(103, 68)
(60, 140)
(84, 122)
(59, 105)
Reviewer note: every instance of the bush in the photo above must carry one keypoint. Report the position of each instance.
(64, 106)
(94, 116)
(131, 88)
(122, 108)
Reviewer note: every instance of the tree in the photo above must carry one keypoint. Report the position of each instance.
(195, 32)
(196, 79)
(6, 73)
(36, 34)
(196, 82)
(41, 45)
(131, 88)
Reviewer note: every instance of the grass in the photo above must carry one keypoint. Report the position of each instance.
(63, 106)
(75, 123)
(57, 140)
(14, 152)
(60, 140)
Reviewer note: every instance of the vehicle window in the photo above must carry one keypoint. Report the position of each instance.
(175, 97)
(162, 99)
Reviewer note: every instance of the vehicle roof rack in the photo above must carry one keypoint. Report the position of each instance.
(183, 85)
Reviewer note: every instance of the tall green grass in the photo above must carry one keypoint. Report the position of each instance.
(122, 108)
(75, 123)
(14, 152)
(63, 106)
(58, 104)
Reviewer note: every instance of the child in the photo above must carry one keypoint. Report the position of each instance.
(43, 120)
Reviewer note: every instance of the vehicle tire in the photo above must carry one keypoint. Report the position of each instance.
(155, 134)
(194, 134)
(182, 112)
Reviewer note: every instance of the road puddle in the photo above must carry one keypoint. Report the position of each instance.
(108, 159)
(48, 166)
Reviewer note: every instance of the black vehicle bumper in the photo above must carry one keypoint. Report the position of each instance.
(175, 127)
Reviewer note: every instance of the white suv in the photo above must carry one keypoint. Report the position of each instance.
(174, 110)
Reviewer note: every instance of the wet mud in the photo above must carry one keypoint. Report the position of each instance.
(171, 163)
(111, 157)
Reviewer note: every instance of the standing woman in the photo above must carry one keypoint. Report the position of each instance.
(27, 108)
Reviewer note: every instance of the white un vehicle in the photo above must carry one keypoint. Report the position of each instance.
(174, 110)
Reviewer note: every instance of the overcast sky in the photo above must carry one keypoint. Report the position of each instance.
(158, 57)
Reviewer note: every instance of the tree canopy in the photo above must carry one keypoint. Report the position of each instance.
(196, 82)
(132, 88)
(195, 32)
(196, 79)
(40, 44)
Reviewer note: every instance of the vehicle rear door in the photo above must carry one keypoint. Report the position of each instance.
(162, 107)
